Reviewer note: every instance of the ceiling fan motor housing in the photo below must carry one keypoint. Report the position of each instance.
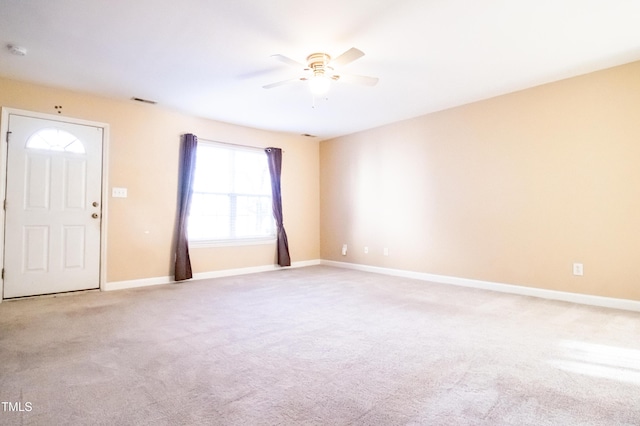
(318, 63)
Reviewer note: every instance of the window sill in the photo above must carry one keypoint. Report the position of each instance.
(232, 243)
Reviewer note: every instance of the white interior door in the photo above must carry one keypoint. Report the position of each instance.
(53, 207)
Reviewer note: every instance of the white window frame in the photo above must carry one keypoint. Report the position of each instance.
(238, 241)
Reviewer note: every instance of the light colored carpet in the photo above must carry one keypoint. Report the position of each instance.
(316, 346)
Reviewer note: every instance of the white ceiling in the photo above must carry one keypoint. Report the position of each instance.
(210, 58)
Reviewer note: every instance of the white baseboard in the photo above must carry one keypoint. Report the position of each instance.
(121, 285)
(584, 299)
(252, 270)
(144, 282)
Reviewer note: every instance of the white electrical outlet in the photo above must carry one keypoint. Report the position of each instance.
(366, 249)
(344, 249)
(386, 251)
(578, 269)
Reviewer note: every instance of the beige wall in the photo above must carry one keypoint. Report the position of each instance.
(143, 157)
(512, 189)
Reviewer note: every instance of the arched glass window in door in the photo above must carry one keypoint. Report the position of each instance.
(55, 140)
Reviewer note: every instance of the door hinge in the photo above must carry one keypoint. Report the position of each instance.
(3, 273)
(8, 134)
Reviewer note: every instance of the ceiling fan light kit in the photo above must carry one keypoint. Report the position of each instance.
(319, 85)
(319, 82)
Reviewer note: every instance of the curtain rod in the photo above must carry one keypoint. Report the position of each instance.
(235, 144)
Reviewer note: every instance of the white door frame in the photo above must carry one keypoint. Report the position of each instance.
(4, 128)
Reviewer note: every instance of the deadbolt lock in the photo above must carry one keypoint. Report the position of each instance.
(95, 204)
(95, 215)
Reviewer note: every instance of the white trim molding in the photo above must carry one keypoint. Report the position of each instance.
(583, 299)
(145, 282)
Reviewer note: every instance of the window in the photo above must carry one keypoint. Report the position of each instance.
(55, 140)
(231, 195)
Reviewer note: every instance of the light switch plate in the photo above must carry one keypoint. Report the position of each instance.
(119, 192)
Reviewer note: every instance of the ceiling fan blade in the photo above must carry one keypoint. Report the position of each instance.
(359, 79)
(288, 61)
(347, 57)
(282, 83)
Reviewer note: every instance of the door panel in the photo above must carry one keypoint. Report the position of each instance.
(52, 227)
(36, 248)
(38, 183)
(73, 239)
(75, 184)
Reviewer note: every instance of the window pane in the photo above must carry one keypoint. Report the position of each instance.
(37, 142)
(252, 218)
(75, 146)
(214, 167)
(232, 194)
(55, 140)
(250, 176)
(210, 217)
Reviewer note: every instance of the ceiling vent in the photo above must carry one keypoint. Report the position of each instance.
(17, 50)
(146, 101)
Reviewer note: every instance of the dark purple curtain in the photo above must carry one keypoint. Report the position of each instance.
(275, 167)
(187, 169)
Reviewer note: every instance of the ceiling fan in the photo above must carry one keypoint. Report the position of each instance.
(320, 70)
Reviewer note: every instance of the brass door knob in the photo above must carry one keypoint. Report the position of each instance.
(95, 215)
